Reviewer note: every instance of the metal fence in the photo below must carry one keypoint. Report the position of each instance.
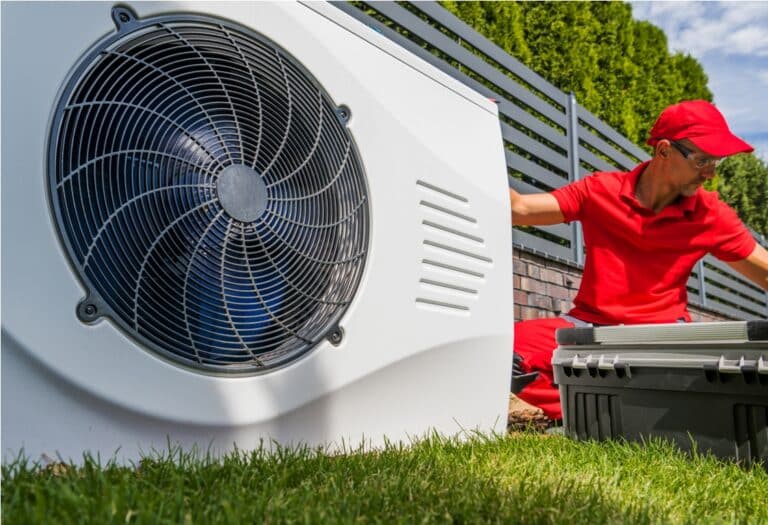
(550, 140)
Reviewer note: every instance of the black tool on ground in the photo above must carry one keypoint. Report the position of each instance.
(703, 386)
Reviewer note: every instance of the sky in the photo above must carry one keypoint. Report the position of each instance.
(730, 40)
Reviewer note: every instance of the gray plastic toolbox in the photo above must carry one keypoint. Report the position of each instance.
(698, 384)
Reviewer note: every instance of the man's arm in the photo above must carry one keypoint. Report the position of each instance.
(754, 267)
(534, 209)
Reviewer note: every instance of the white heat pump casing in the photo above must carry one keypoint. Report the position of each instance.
(408, 364)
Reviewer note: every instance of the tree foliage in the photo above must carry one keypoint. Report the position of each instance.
(619, 68)
(742, 182)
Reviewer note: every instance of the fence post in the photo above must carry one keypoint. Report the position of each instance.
(702, 284)
(573, 172)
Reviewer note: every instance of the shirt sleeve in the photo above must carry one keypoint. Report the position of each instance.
(731, 240)
(572, 198)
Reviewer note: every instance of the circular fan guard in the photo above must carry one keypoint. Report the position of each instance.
(208, 193)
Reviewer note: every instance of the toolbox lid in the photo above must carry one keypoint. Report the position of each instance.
(717, 332)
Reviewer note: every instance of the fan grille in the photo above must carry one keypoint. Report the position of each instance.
(208, 194)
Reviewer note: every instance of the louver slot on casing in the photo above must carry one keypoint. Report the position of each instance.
(208, 193)
(454, 260)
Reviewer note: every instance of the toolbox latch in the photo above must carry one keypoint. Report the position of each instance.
(762, 366)
(741, 366)
(602, 364)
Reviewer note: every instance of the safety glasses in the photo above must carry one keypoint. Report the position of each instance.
(690, 155)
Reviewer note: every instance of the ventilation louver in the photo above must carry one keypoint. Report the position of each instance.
(208, 193)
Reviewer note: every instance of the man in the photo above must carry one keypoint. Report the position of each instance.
(643, 231)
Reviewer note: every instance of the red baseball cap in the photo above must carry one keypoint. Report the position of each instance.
(700, 122)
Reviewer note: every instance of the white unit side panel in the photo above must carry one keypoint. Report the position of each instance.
(407, 127)
(44, 415)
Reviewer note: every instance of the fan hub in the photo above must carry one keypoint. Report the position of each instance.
(242, 192)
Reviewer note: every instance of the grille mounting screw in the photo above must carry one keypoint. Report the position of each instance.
(336, 336)
(343, 113)
(90, 309)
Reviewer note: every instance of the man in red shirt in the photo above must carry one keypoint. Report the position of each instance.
(643, 231)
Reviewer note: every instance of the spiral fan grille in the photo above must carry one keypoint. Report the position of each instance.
(208, 194)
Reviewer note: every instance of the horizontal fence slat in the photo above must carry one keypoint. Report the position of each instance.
(596, 142)
(729, 311)
(713, 293)
(732, 279)
(533, 170)
(564, 231)
(534, 147)
(724, 281)
(542, 245)
(432, 36)
(693, 282)
(481, 43)
(610, 133)
(522, 187)
(514, 112)
(590, 158)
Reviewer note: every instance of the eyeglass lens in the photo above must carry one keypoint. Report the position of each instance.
(699, 162)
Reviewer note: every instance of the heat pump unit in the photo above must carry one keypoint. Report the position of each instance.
(231, 222)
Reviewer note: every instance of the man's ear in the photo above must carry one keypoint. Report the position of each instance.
(662, 148)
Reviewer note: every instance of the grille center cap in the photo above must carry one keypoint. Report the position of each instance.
(242, 192)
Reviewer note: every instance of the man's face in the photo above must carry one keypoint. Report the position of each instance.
(693, 166)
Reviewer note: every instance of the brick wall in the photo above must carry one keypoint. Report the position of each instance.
(546, 288)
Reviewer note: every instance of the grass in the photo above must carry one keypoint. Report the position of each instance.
(523, 478)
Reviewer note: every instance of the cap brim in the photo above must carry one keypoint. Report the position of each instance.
(721, 144)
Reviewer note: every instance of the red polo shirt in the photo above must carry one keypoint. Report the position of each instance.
(638, 262)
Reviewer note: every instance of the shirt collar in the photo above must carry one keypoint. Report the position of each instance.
(681, 207)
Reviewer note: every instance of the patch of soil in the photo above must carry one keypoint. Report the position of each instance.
(522, 416)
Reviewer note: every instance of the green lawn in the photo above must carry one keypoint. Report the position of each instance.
(525, 478)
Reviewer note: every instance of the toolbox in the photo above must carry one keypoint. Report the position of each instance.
(703, 386)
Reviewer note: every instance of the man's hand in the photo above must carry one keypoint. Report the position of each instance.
(520, 379)
(754, 267)
(534, 209)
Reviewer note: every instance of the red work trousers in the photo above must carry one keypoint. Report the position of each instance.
(535, 343)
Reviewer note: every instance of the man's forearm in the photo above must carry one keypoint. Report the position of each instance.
(534, 209)
(754, 267)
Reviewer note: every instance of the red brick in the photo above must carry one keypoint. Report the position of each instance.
(526, 312)
(520, 297)
(516, 282)
(540, 301)
(529, 285)
(558, 292)
(563, 306)
(517, 313)
(551, 276)
(518, 267)
(534, 272)
(573, 282)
